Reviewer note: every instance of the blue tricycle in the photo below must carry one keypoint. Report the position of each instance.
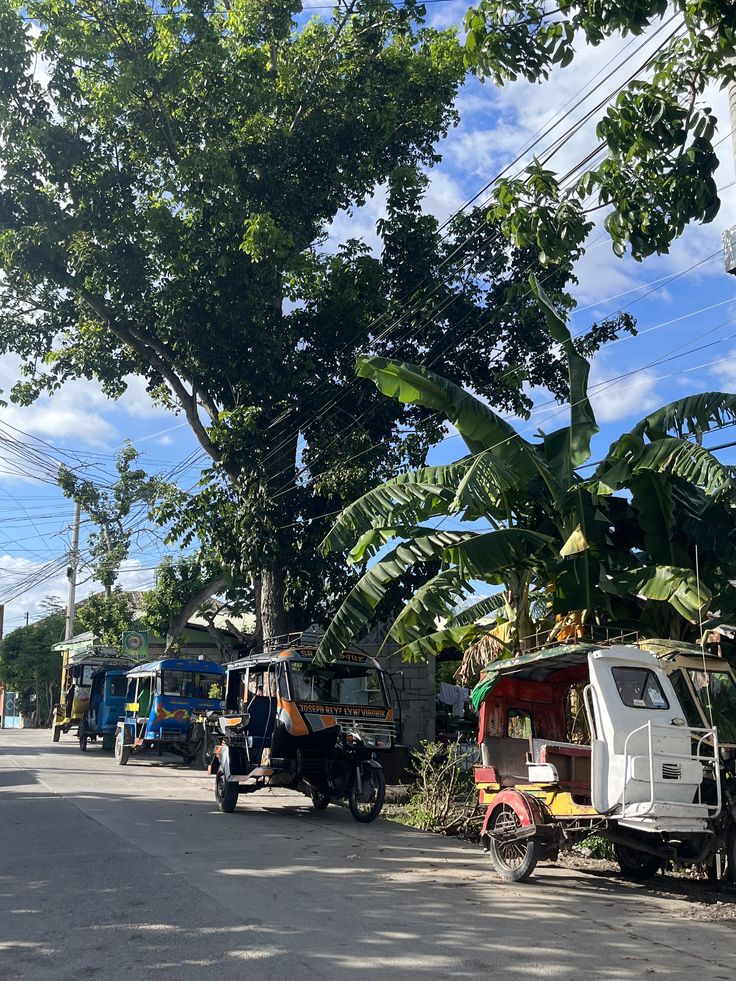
(162, 699)
(106, 706)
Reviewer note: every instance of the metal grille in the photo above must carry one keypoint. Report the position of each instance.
(671, 771)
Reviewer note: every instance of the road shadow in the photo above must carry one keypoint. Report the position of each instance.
(145, 886)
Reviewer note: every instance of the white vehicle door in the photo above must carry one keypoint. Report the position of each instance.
(627, 690)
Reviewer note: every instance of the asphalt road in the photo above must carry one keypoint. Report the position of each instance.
(133, 873)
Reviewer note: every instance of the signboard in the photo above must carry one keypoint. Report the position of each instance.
(135, 643)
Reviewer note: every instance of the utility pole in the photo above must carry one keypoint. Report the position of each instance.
(27, 615)
(71, 573)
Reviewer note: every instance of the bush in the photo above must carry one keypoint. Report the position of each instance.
(443, 797)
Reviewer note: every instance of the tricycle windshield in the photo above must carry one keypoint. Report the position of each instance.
(639, 688)
(717, 694)
(191, 684)
(337, 684)
(117, 686)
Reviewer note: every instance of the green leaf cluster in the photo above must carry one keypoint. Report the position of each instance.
(620, 547)
(657, 175)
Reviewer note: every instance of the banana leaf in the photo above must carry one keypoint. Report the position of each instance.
(427, 545)
(480, 427)
(413, 496)
(688, 416)
(430, 603)
(569, 447)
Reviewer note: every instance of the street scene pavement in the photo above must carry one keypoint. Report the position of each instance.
(132, 872)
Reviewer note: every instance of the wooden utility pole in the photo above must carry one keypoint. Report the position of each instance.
(71, 573)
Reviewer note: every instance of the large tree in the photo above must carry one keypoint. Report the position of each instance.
(168, 177)
(652, 161)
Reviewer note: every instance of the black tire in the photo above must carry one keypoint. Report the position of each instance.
(320, 800)
(226, 793)
(56, 734)
(122, 752)
(635, 864)
(513, 860)
(366, 807)
(731, 854)
(83, 736)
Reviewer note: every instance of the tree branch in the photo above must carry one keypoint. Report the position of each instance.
(178, 623)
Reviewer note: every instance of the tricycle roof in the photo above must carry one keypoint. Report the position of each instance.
(301, 655)
(176, 664)
(541, 665)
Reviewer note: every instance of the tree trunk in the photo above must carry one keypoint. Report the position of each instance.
(270, 613)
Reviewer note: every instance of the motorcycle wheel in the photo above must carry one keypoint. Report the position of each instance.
(366, 806)
(226, 793)
(83, 737)
(635, 864)
(122, 752)
(513, 860)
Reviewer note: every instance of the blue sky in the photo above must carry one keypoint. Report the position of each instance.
(684, 303)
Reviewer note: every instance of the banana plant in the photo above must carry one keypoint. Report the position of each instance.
(611, 544)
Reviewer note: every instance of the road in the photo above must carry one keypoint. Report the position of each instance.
(134, 871)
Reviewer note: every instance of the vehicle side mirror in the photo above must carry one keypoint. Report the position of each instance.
(397, 678)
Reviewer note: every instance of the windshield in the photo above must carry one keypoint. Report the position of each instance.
(717, 694)
(191, 684)
(337, 684)
(639, 688)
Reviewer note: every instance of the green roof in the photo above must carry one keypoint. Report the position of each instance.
(536, 666)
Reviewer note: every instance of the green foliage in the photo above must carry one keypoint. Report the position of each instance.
(443, 796)
(657, 175)
(107, 616)
(167, 185)
(109, 508)
(30, 667)
(552, 534)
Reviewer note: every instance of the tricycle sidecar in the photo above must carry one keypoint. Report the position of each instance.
(579, 739)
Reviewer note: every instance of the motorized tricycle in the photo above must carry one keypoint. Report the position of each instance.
(579, 739)
(79, 668)
(162, 699)
(316, 729)
(106, 706)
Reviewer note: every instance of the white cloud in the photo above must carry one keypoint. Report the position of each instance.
(725, 372)
(627, 397)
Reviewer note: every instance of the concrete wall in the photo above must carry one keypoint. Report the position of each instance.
(415, 684)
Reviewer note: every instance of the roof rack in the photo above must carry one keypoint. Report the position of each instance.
(301, 638)
(591, 634)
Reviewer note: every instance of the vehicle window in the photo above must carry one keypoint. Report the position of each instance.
(190, 684)
(717, 694)
(692, 714)
(118, 686)
(639, 688)
(519, 724)
(338, 684)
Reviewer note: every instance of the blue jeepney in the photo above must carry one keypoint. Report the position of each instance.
(107, 698)
(162, 698)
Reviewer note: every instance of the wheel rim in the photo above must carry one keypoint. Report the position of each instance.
(366, 801)
(511, 853)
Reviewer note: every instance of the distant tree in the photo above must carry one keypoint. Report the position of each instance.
(107, 615)
(109, 508)
(30, 667)
(184, 587)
